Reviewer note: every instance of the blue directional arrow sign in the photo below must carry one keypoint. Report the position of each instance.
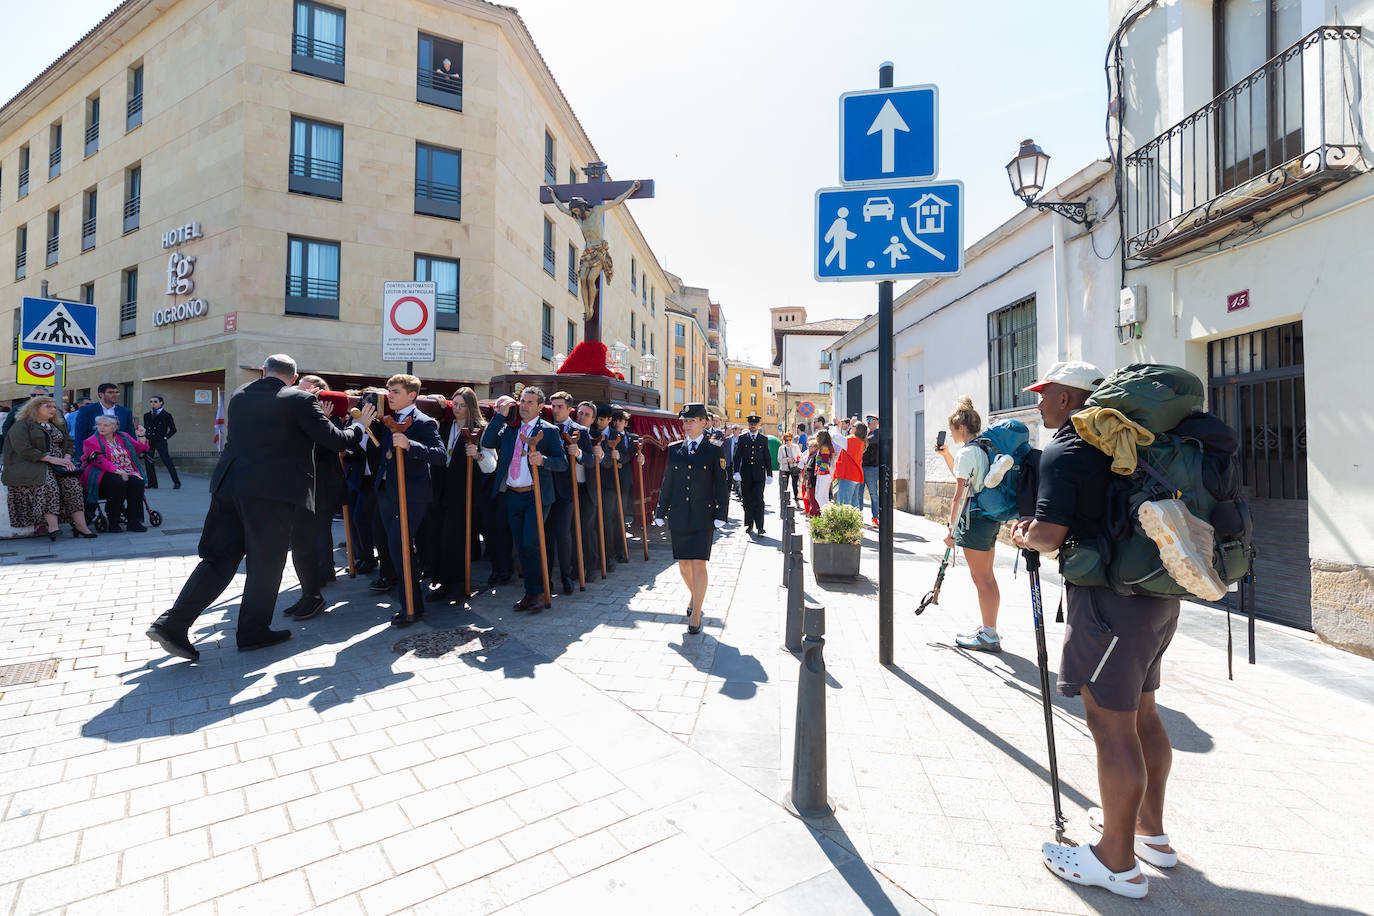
(57, 326)
(891, 232)
(888, 134)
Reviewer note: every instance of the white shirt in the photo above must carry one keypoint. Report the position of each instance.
(523, 477)
(109, 411)
(694, 444)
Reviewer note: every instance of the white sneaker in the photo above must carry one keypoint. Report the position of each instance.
(1000, 465)
(1185, 546)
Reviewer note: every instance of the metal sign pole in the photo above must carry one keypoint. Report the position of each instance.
(885, 421)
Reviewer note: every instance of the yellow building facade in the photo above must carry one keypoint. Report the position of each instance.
(685, 370)
(751, 389)
(288, 158)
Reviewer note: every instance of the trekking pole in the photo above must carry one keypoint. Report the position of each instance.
(1038, 614)
(1248, 604)
(933, 596)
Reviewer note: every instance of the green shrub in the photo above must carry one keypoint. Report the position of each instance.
(837, 524)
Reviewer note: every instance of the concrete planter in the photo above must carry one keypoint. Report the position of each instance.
(835, 561)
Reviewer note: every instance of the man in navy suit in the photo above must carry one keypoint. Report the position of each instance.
(559, 528)
(526, 445)
(108, 405)
(421, 448)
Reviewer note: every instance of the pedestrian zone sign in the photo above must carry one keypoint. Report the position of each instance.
(888, 135)
(57, 326)
(408, 321)
(891, 232)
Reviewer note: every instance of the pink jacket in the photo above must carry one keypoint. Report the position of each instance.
(97, 461)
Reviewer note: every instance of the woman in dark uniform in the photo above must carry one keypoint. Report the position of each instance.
(694, 500)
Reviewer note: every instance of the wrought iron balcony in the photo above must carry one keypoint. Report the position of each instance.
(132, 208)
(23, 182)
(92, 138)
(1292, 127)
(88, 233)
(134, 111)
(436, 88)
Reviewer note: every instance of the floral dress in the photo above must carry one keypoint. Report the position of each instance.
(60, 496)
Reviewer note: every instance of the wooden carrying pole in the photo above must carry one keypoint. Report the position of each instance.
(469, 438)
(643, 509)
(600, 523)
(348, 526)
(568, 439)
(400, 426)
(531, 445)
(620, 505)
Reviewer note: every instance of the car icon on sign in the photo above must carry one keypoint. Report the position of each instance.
(879, 206)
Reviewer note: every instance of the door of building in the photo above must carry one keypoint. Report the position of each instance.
(1256, 385)
(918, 463)
(854, 398)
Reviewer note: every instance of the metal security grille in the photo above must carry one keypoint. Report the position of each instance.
(1011, 355)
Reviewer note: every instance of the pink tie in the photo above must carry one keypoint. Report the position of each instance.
(515, 456)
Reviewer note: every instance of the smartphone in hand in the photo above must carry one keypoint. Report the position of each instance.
(940, 441)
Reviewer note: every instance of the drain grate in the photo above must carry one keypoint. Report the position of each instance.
(27, 672)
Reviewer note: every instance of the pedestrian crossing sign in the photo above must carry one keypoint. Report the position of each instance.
(57, 326)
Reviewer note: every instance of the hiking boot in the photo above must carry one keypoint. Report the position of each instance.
(1185, 546)
(1000, 465)
(979, 641)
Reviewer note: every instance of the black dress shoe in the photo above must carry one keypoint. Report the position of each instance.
(176, 486)
(401, 619)
(693, 629)
(567, 586)
(532, 603)
(309, 606)
(270, 638)
(173, 642)
(382, 584)
(439, 591)
(365, 566)
(112, 528)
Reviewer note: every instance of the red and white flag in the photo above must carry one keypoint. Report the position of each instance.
(219, 433)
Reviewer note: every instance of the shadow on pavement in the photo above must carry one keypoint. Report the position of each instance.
(742, 673)
(987, 734)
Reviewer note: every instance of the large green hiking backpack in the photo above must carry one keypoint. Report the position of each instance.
(1193, 458)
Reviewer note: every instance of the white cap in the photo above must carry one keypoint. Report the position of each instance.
(1071, 374)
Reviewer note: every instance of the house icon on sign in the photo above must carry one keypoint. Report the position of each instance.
(930, 214)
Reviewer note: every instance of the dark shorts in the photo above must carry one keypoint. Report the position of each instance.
(1114, 645)
(692, 544)
(976, 532)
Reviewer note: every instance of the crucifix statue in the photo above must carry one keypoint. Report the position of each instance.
(587, 203)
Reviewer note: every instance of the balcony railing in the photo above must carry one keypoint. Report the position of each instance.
(444, 89)
(438, 198)
(548, 260)
(55, 162)
(317, 177)
(52, 251)
(21, 261)
(131, 210)
(92, 138)
(23, 182)
(546, 341)
(310, 55)
(572, 276)
(128, 318)
(134, 112)
(1291, 127)
(314, 297)
(88, 234)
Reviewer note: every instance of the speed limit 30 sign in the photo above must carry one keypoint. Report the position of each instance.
(41, 369)
(408, 321)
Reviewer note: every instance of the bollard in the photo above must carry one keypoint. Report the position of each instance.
(809, 797)
(788, 528)
(796, 589)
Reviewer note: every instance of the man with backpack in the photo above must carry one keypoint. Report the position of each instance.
(1113, 647)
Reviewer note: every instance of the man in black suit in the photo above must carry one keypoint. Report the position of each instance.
(312, 530)
(609, 445)
(526, 445)
(558, 530)
(422, 449)
(266, 471)
(160, 427)
(753, 465)
(587, 489)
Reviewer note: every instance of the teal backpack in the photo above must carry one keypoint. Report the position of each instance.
(1193, 458)
(1007, 437)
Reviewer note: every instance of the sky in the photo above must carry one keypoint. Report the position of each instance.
(731, 106)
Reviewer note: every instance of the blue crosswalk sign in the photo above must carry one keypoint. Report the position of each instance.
(888, 134)
(57, 326)
(890, 232)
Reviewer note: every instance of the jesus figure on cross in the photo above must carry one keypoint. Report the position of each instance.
(596, 253)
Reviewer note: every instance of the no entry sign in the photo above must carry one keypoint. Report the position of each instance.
(408, 321)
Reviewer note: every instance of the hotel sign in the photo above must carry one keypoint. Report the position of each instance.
(180, 282)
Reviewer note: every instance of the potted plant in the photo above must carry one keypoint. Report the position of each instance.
(835, 537)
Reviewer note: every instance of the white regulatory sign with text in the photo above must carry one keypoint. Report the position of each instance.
(408, 321)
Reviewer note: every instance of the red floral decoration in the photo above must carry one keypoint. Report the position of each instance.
(588, 358)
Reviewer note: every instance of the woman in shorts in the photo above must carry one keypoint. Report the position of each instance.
(969, 528)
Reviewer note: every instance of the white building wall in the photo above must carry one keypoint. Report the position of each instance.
(801, 360)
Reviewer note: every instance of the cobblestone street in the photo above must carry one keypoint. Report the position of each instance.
(598, 759)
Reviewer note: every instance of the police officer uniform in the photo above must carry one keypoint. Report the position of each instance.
(754, 463)
(695, 493)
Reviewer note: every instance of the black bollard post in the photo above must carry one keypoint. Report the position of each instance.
(796, 594)
(788, 527)
(809, 797)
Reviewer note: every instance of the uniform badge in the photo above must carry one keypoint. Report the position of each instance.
(722, 464)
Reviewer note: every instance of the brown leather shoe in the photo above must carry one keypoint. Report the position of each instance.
(530, 603)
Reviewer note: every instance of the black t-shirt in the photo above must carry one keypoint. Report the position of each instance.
(1074, 480)
(871, 450)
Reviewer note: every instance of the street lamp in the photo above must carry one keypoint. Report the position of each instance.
(1026, 171)
(558, 361)
(648, 369)
(515, 357)
(618, 354)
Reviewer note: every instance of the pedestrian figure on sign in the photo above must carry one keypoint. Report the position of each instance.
(897, 251)
(59, 326)
(838, 236)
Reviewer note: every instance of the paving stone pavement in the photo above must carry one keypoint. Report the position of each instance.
(601, 759)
